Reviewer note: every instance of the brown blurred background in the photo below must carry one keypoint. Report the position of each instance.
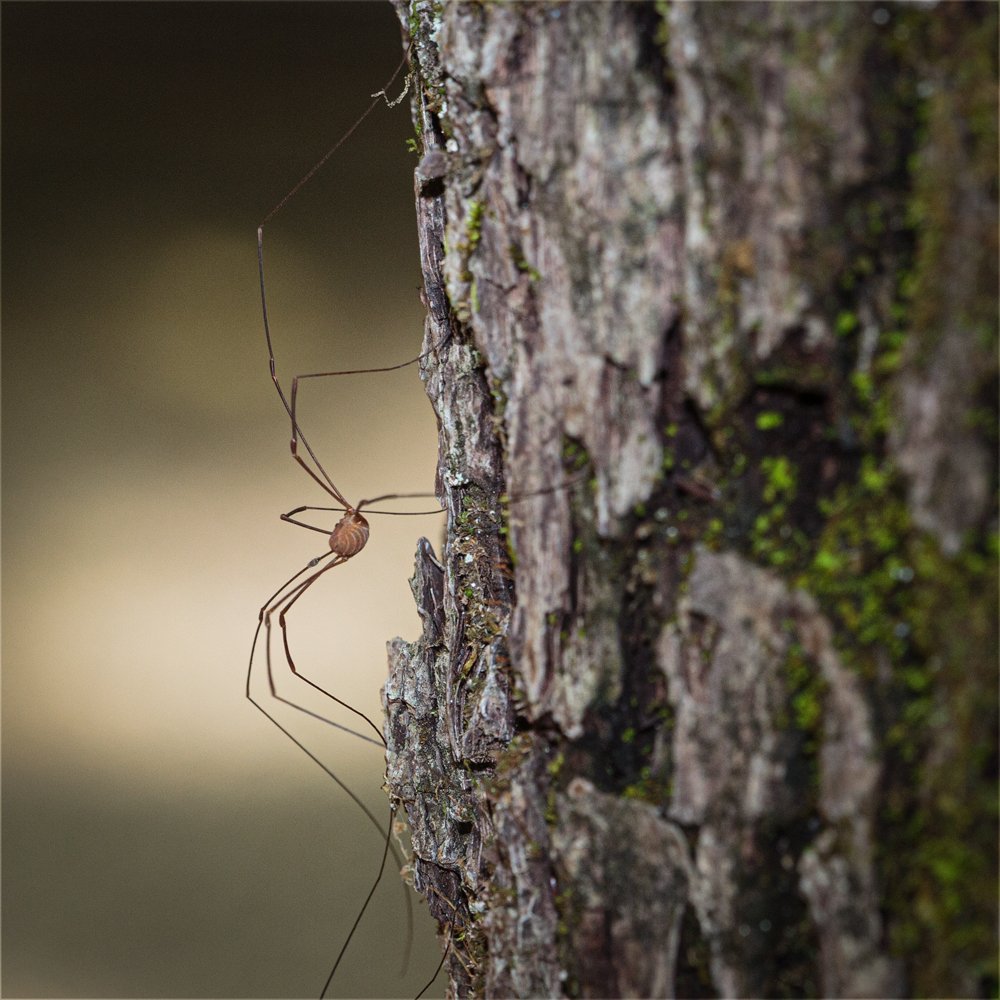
(160, 837)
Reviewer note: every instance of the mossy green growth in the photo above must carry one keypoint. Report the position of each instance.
(521, 263)
(661, 34)
(806, 692)
(651, 787)
(774, 538)
(474, 225)
(859, 568)
(779, 478)
(917, 627)
(714, 532)
(942, 814)
(846, 324)
(769, 420)
(900, 604)
(574, 455)
(465, 249)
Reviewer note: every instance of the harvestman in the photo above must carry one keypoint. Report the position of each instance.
(346, 540)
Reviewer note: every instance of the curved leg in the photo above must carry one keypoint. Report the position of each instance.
(278, 598)
(263, 621)
(291, 519)
(386, 833)
(361, 912)
(286, 602)
(297, 432)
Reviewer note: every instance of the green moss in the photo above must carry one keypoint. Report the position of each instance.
(823, 504)
(806, 692)
(475, 214)
(652, 788)
(846, 324)
(499, 397)
(661, 35)
(574, 455)
(474, 224)
(938, 852)
(897, 600)
(769, 420)
(517, 256)
(779, 479)
(714, 533)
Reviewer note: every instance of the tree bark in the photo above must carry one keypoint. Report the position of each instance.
(705, 700)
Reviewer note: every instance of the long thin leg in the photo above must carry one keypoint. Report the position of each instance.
(291, 519)
(270, 678)
(327, 487)
(340, 142)
(253, 701)
(297, 434)
(387, 833)
(361, 912)
(368, 371)
(292, 596)
(444, 955)
(399, 496)
(347, 791)
(296, 431)
(319, 475)
(286, 602)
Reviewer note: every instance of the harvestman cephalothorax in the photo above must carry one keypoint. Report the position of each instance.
(345, 541)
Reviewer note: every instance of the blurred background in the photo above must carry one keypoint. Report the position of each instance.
(160, 837)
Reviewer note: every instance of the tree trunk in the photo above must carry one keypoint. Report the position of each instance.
(705, 700)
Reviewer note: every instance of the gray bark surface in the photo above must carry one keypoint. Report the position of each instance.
(704, 702)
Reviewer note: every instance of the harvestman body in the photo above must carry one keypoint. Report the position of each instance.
(346, 540)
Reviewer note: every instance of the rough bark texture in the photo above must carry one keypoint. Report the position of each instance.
(704, 702)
